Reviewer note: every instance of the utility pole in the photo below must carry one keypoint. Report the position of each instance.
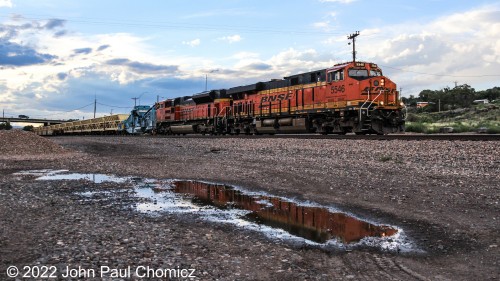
(353, 38)
(95, 104)
(206, 78)
(456, 83)
(135, 101)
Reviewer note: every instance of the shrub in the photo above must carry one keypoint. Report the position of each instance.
(28, 128)
(5, 126)
(385, 158)
(462, 128)
(493, 130)
(415, 127)
(431, 130)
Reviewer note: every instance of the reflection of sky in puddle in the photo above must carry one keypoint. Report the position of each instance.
(95, 178)
(170, 202)
(274, 216)
(63, 175)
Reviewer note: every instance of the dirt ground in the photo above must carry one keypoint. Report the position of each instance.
(443, 194)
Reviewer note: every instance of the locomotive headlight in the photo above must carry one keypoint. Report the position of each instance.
(402, 103)
(382, 103)
(382, 82)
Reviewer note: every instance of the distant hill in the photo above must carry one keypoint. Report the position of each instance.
(481, 118)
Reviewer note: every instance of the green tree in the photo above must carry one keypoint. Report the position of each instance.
(410, 101)
(425, 95)
(464, 95)
(490, 94)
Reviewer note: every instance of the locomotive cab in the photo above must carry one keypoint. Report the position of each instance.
(367, 100)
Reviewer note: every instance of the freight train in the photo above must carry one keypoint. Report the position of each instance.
(349, 97)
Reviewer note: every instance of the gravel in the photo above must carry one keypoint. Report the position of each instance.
(17, 142)
(444, 194)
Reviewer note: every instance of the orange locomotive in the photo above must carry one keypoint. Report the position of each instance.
(349, 97)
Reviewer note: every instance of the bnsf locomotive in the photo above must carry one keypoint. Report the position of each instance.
(349, 97)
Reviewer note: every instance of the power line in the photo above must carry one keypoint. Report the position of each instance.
(171, 25)
(80, 107)
(442, 75)
(112, 106)
(58, 112)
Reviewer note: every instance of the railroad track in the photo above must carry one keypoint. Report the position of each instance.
(437, 137)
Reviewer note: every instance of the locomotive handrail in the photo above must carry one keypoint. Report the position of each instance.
(381, 91)
(368, 107)
(361, 108)
(222, 111)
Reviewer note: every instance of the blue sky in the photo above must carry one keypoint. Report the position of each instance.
(56, 56)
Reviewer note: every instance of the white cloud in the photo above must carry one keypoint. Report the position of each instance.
(245, 55)
(463, 47)
(192, 43)
(456, 45)
(42, 67)
(230, 39)
(323, 24)
(6, 3)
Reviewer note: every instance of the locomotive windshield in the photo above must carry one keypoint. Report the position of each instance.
(358, 73)
(375, 72)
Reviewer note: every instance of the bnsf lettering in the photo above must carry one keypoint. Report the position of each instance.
(276, 97)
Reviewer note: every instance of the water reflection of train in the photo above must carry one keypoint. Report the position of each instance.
(313, 223)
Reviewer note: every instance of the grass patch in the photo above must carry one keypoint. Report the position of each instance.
(460, 127)
(415, 127)
(424, 128)
(385, 158)
(489, 127)
(493, 130)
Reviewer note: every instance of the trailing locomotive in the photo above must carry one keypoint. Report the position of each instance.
(349, 97)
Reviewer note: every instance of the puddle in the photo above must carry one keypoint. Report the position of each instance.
(317, 224)
(276, 217)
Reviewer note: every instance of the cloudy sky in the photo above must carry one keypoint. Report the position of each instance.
(56, 56)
